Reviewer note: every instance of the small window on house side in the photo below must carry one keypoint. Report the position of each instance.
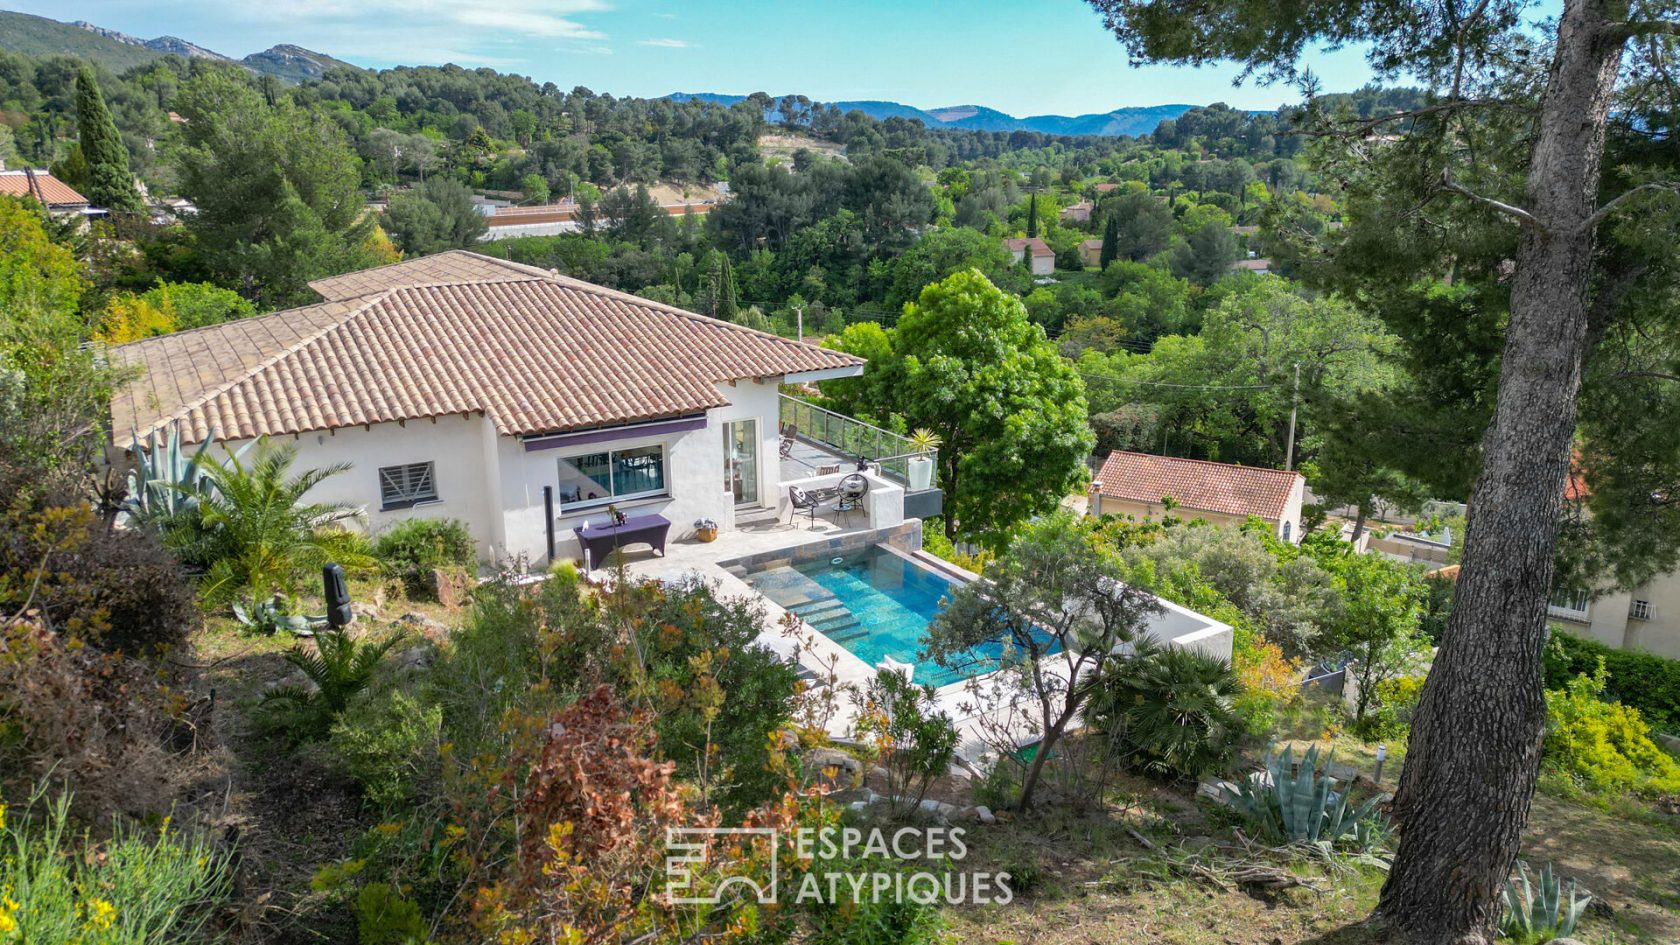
(402, 487)
(1287, 530)
(1640, 610)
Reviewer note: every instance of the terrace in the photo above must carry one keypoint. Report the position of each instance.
(819, 442)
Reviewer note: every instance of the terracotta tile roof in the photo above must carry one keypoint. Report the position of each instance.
(1094, 243)
(1197, 484)
(1038, 246)
(41, 185)
(537, 355)
(457, 265)
(1253, 265)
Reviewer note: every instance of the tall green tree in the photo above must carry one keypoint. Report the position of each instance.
(109, 183)
(1059, 601)
(967, 364)
(1110, 242)
(277, 189)
(1575, 270)
(1032, 216)
(724, 305)
(437, 215)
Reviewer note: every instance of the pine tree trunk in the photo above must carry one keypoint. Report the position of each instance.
(1474, 751)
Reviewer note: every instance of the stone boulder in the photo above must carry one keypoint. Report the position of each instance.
(432, 631)
(832, 769)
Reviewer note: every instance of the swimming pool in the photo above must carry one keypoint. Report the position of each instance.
(876, 603)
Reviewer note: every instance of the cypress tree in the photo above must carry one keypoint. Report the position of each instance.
(109, 183)
(723, 287)
(1110, 243)
(1032, 216)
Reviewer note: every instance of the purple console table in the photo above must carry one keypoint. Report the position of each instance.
(599, 540)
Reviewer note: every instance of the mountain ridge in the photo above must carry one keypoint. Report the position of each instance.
(119, 51)
(1133, 120)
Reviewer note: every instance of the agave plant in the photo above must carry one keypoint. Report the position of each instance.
(1539, 914)
(1300, 805)
(337, 670)
(271, 616)
(165, 480)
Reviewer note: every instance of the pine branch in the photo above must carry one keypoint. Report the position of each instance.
(1602, 213)
(1651, 28)
(1516, 213)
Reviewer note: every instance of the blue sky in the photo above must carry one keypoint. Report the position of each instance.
(1022, 57)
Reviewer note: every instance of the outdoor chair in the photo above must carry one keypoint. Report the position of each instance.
(802, 501)
(849, 494)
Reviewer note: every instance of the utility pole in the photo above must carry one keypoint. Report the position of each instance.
(1294, 404)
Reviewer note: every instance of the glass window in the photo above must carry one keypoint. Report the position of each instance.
(1573, 604)
(598, 478)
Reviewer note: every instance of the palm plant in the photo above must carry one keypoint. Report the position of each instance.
(1171, 710)
(254, 532)
(336, 671)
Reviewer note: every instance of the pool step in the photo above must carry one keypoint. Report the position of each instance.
(826, 611)
(851, 631)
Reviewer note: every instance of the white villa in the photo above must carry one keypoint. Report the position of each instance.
(518, 401)
(528, 405)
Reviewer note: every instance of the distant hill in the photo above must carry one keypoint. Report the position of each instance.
(118, 51)
(1133, 121)
(39, 36)
(292, 63)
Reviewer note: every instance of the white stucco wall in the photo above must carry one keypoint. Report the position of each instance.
(495, 485)
(694, 472)
(455, 444)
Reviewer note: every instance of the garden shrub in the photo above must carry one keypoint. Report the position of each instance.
(1642, 681)
(117, 591)
(1268, 680)
(1604, 745)
(1392, 704)
(384, 917)
(913, 740)
(389, 743)
(76, 717)
(409, 551)
(141, 886)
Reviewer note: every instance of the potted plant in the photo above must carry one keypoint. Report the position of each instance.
(919, 468)
(705, 529)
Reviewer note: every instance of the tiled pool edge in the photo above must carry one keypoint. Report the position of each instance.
(905, 537)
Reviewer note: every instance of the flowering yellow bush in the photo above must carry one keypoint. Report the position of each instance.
(1269, 680)
(57, 887)
(1605, 745)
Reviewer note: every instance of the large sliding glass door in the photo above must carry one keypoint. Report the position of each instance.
(740, 460)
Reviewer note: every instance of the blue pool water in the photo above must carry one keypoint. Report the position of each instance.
(875, 603)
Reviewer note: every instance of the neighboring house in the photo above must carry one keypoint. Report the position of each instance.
(518, 401)
(60, 199)
(1090, 252)
(1138, 485)
(1106, 188)
(1078, 213)
(1644, 618)
(1043, 257)
(1261, 266)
